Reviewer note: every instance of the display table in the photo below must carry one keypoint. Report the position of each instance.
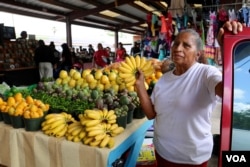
(20, 148)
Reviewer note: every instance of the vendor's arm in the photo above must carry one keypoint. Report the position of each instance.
(233, 27)
(219, 89)
(145, 100)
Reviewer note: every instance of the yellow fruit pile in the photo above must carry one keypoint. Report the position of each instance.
(56, 124)
(27, 107)
(131, 65)
(95, 128)
(100, 127)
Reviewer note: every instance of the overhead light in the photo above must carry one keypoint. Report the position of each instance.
(198, 5)
(148, 8)
(144, 25)
(164, 3)
(109, 13)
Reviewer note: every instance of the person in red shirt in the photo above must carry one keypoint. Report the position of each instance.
(100, 58)
(120, 53)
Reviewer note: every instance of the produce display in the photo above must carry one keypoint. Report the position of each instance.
(83, 106)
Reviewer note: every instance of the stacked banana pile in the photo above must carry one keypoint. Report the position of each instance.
(56, 124)
(129, 68)
(76, 132)
(100, 127)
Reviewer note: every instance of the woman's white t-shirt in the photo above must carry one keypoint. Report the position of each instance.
(182, 127)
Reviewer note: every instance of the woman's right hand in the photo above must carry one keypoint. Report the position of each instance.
(233, 26)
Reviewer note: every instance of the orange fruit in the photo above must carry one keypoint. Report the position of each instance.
(18, 96)
(158, 74)
(29, 99)
(11, 101)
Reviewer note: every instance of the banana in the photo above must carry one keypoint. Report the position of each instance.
(132, 59)
(76, 131)
(125, 65)
(85, 121)
(94, 143)
(112, 121)
(105, 112)
(128, 61)
(126, 80)
(52, 115)
(105, 141)
(149, 72)
(138, 61)
(76, 139)
(147, 65)
(70, 137)
(53, 119)
(87, 140)
(100, 137)
(73, 126)
(111, 142)
(94, 115)
(58, 129)
(91, 128)
(82, 134)
(48, 132)
(108, 126)
(131, 83)
(57, 123)
(113, 126)
(62, 132)
(45, 127)
(117, 131)
(112, 117)
(142, 62)
(93, 123)
(95, 132)
(126, 75)
(110, 113)
(125, 70)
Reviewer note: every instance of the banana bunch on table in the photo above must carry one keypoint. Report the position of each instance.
(56, 124)
(100, 127)
(128, 69)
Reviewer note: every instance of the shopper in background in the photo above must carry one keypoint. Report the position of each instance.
(44, 59)
(23, 37)
(100, 58)
(181, 104)
(120, 53)
(135, 50)
(66, 63)
(91, 51)
(57, 57)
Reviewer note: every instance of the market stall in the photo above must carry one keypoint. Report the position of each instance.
(20, 148)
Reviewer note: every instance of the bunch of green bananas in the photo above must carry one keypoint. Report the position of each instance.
(131, 65)
(56, 124)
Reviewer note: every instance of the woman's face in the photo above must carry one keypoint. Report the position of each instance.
(184, 50)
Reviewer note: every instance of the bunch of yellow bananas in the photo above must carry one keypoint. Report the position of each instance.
(75, 132)
(131, 65)
(56, 124)
(100, 127)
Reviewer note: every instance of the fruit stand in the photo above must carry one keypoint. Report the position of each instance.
(88, 118)
(20, 148)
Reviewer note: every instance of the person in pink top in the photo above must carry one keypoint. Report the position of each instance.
(120, 53)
